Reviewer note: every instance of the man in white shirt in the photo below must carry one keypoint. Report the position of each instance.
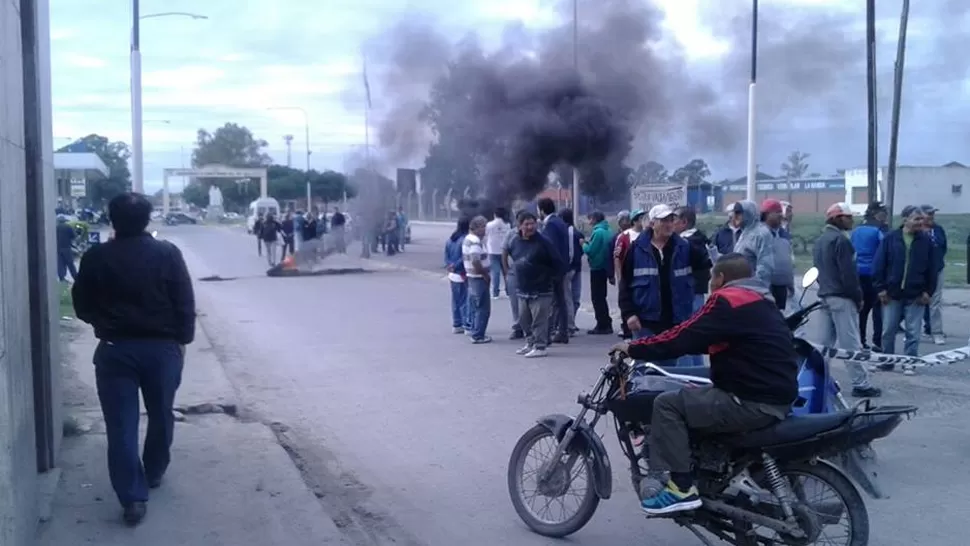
(496, 232)
(477, 267)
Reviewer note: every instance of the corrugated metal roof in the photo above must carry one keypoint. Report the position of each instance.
(68, 161)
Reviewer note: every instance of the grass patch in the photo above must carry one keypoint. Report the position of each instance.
(66, 302)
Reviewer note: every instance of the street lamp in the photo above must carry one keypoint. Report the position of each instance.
(306, 126)
(137, 153)
(752, 166)
(576, 68)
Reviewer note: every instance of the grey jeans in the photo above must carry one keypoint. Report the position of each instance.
(271, 247)
(708, 410)
(840, 329)
(534, 313)
(511, 287)
(569, 310)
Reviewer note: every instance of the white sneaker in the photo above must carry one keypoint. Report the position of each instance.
(458, 330)
(939, 339)
(525, 350)
(909, 370)
(536, 353)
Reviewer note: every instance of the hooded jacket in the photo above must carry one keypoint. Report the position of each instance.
(866, 239)
(756, 243)
(598, 250)
(751, 349)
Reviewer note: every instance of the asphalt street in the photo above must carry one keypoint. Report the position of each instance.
(404, 430)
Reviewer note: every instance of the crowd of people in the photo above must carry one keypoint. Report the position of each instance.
(286, 236)
(661, 264)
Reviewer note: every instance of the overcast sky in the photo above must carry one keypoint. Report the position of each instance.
(248, 57)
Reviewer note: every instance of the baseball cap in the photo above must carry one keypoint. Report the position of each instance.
(659, 212)
(909, 210)
(771, 205)
(876, 206)
(637, 213)
(836, 210)
(929, 209)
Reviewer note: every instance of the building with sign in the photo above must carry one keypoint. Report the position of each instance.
(75, 166)
(809, 195)
(946, 187)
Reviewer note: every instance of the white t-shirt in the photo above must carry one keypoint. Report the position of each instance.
(470, 249)
(496, 232)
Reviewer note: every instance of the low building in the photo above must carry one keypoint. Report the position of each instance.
(946, 187)
(75, 167)
(807, 195)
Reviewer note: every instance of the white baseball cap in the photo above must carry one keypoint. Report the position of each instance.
(659, 212)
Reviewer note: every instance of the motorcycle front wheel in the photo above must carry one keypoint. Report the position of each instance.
(536, 500)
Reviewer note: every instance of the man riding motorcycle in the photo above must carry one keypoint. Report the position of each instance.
(753, 370)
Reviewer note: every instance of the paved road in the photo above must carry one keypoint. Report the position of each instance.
(405, 430)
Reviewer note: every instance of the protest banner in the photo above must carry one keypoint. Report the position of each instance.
(646, 197)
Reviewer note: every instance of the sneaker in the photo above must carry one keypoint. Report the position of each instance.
(866, 392)
(458, 330)
(525, 350)
(600, 331)
(670, 500)
(495, 297)
(939, 339)
(909, 369)
(536, 353)
(875, 348)
(517, 334)
(481, 340)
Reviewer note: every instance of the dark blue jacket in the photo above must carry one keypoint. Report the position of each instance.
(453, 255)
(724, 240)
(865, 240)
(557, 232)
(642, 277)
(938, 235)
(890, 266)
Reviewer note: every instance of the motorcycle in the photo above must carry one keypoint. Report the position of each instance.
(752, 485)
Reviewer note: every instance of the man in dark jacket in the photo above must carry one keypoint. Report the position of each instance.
(65, 249)
(905, 275)
(137, 294)
(269, 233)
(685, 225)
(839, 289)
(554, 229)
(725, 238)
(754, 372)
(258, 232)
(866, 240)
(537, 266)
(933, 315)
(657, 287)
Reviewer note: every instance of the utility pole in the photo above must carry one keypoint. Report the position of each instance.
(288, 139)
(575, 191)
(752, 166)
(872, 166)
(897, 99)
(137, 154)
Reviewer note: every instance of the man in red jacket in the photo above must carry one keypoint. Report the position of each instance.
(753, 370)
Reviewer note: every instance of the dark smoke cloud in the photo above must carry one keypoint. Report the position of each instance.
(527, 111)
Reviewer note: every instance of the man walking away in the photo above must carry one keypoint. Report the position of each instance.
(933, 316)
(783, 277)
(537, 267)
(496, 232)
(476, 270)
(866, 240)
(620, 249)
(726, 237)
(65, 249)
(685, 225)
(511, 282)
(841, 293)
(904, 274)
(258, 232)
(573, 263)
(137, 294)
(599, 254)
(755, 241)
(554, 229)
(337, 225)
(269, 232)
(455, 265)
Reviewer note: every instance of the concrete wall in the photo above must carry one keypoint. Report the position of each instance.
(915, 186)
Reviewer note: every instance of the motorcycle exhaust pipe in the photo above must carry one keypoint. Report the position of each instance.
(754, 518)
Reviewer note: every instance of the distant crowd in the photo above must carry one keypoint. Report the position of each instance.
(281, 237)
(660, 263)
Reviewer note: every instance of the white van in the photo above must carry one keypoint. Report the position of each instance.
(264, 207)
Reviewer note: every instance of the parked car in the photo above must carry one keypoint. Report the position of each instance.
(176, 218)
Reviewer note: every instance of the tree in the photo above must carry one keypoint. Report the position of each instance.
(115, 156)
(195, 193)
(795, 166)
(694, 173)
(650, 172)
(231, 145)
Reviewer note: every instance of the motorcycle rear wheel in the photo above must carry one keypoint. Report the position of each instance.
(588, 504)
(843, 487)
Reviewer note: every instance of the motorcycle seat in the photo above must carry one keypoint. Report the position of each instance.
(792, 429)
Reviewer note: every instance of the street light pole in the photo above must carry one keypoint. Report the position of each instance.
(306, 126)
(137, 151)
(575, 191)
(752, 166)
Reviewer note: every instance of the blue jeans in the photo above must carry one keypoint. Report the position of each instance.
(911, 313)
(479, 306)
(121, 368)
(644, 333)
(577, 290)
(65, 264)
(495, 270)
(459, 305)
(694, 360)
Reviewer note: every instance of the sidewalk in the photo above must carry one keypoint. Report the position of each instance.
(230, 482)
